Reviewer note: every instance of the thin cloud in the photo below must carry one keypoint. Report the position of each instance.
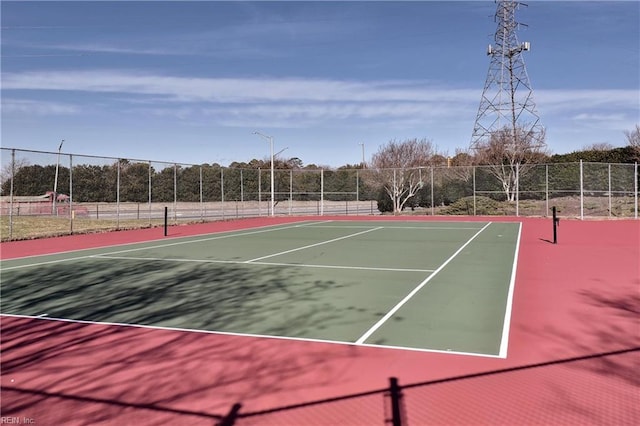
(295, 102)
(31, 107)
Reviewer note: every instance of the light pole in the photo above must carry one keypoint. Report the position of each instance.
(55, 181)
(362, 145)
(270, 139)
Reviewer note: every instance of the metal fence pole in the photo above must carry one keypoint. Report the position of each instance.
(433, 211)
(395, 393)
(581, 192)
(546, 189)
(259, 192)
(201, 196)
(357, 192)
(231, 417)
(118, 195)
(242, 191)
(321, 192)
(609, 189)
(290, 192)
(517, 189)
(635, 188)
(71, 213)
(13, 172)
(150, 193)
(474, 190)
(222, 189)
(175, 193)
(395, 193)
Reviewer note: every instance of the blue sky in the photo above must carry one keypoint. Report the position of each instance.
(190, 81)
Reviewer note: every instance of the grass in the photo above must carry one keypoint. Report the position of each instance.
(30, 227)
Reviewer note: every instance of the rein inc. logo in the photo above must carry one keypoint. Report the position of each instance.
(7, 420)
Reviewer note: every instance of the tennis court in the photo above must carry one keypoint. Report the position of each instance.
(432, 286)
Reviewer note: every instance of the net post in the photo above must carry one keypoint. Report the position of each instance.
(556, 223)
(166, 216)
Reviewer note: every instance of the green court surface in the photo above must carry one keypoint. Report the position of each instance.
(439, 286)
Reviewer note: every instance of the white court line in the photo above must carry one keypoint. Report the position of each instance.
(504, 341)
(216, 237)
(227, 333)
(243, 262)
(313, 245)
(300, 224)
(384, 319)
(427, 228)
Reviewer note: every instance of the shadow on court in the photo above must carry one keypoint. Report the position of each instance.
(127, 371)
(139, 379)
(253, 299)
(70, 373)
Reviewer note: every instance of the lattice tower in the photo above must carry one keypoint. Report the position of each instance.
(507, 98)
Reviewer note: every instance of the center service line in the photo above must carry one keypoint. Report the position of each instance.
(384, 319)
(313, 245)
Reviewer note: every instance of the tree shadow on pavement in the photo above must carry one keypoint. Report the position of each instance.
(103, 373)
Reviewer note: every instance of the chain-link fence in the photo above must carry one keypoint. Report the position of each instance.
(102, 193)
(590, 389)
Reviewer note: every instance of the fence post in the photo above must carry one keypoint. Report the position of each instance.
(609, 189)
(433, 211)
(71, 212)
(474, 190)
(259, 192)
(175, 193)
(242, 191)
(395, 194)
(150, 168)
(321, 192)
(230, 418)
(118, 195)
(581, 192)
(546, 189)
(517, 189)
(201, 197)
(395, 393)
(635, 187)
(13, 172)
(222, 189)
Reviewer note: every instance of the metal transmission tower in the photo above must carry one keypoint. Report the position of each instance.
(507, 99)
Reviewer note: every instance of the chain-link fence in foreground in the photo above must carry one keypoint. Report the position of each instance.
(592, 389)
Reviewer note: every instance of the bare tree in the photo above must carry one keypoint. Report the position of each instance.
(633, 138)
(461, 165)
(397, 167)
(599, 146)
(510, 153)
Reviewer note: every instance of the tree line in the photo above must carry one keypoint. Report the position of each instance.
(395, 176)
(127, 181)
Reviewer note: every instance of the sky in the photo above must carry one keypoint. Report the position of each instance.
(190, 82)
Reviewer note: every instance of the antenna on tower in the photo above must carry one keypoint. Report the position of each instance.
(507, 104)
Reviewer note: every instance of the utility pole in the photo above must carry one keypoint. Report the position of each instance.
(55, 182)
(507, 99)
(270, 140)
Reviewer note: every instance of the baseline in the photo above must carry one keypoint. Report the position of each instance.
(227, 333)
